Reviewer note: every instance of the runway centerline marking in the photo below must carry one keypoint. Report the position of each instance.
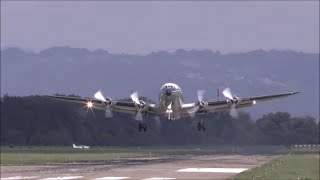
(214, 170)
(111, 178)
(159, 178)
(62, 178)
(19, 177)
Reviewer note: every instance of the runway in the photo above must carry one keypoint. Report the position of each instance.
(152, 168)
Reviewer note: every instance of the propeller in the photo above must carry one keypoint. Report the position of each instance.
(157, 121)
(233, 111)
(108, 112)
(138, 115)
(227, 93)
(192, 111)
(135, 98)
(98, 95)
(200, 94)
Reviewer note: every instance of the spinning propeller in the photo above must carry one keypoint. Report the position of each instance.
(108, 112)
(140, 104)
(200, 94)
(234, 100)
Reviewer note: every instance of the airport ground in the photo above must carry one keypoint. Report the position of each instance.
(149, 163)
(296, 165)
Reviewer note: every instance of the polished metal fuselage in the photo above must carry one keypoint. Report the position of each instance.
(171, 100)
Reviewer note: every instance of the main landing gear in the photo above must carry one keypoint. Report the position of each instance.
(201, 126)
(142, 126)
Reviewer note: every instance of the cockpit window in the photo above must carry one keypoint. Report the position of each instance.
(170, 86)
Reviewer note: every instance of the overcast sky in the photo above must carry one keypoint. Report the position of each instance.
(143, 27)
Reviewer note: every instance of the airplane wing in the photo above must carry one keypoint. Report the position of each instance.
(75, 99)
(115, 106)
(225, 105)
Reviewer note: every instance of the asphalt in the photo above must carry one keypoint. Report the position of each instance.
(170, 167)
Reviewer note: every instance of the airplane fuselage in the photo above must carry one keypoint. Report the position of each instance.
(171, 100)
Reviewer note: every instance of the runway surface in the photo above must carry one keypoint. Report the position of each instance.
(153, 168)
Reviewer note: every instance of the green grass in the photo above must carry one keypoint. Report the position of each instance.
(291, 166)
(25, 156)
(47, 155)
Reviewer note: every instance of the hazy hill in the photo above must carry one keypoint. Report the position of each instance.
(67, 70)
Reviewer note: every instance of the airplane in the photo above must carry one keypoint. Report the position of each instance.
(171, 104)
(80, 146)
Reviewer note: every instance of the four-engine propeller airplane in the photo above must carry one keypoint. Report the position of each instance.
(171, 104)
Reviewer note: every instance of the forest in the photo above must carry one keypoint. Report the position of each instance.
(41, 121)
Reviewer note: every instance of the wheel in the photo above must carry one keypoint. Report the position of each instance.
(145, 128)
(199, 126)
(203, 128)
(139, 127)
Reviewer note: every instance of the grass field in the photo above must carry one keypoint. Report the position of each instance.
(304, 166)
(47, 155)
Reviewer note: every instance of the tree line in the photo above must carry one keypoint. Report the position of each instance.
(38, 120)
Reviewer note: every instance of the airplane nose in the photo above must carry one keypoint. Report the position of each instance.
(168, 92)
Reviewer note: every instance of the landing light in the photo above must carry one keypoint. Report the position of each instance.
(89, 104)
(254, 102)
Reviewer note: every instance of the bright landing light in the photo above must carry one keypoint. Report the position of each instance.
(254, 102)
(89, 104)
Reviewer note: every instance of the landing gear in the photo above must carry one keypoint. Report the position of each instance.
(142, 126)
(201, 126)
(169, 117)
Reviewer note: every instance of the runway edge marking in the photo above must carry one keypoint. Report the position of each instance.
(19, 177)
(159, 178)
(63, 178)
(214, 170)
(111, 178)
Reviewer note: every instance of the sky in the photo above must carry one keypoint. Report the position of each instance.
(142, 27)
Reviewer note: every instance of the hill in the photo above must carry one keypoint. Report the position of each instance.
(79, 71)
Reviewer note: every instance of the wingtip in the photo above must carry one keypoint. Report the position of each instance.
(296, 92)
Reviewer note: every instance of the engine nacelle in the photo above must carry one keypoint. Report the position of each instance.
(142, 106)
(235, 100)
(202, 104)
(108, 102)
